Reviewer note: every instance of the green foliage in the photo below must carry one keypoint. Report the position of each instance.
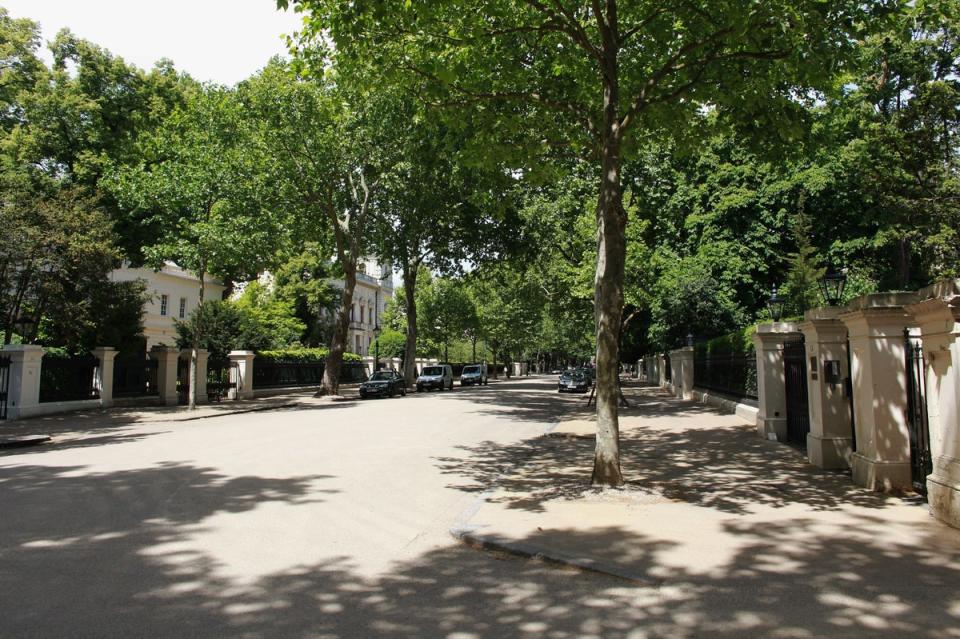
(738, 342)
(303, 282)
(800, 286)
(391, 343)
(303, 355)
(272, 315)
(227, 325)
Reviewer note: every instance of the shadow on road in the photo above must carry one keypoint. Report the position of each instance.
(688, 452)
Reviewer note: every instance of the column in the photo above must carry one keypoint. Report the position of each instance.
(771, 378)
(166, 357)
(661, 370)
(23, 394)
(241, 374)
(938, 317)
(681, 361)
(830, 441)
(104, 374)
(203, 357)
(878, 370)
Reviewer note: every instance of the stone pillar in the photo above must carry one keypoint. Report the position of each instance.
(830, 440)
(203, 356)
(23, 394)
(104, 374)
(878, 370)
(938, 317)
(241, 374)
(166, 357)
(681, 361)
(771, 378)
(661, 370)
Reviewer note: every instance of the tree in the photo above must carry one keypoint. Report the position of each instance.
(595, 77)
(448, 312)
(201, 191)
(332, 147)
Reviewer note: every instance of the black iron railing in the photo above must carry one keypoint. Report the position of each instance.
(135, 376)
(66, 379)
(292, 374)
(733, 374)
(220, 377)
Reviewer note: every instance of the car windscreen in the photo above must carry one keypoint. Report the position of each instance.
(380, 376)
(575, 375)
(433, 370)
(470, 369)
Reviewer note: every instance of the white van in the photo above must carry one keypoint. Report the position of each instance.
(439, 376)
(474, 374)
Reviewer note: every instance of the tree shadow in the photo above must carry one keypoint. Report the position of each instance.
(835, 585)
(686, 452)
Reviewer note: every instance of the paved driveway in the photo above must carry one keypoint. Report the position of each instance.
(325, 519)
(333, 520)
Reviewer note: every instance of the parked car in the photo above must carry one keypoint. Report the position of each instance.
(474, 374)
(383, 384)
(573, 382)
(439, 376)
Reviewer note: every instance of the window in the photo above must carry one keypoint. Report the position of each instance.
(352, 309)
(357, 342)
(183, 307)
(164, 299)
(361, 315)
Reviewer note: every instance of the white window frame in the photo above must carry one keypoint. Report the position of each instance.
(164, 303)
(183, 307)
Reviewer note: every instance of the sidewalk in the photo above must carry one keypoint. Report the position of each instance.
(82, 424)
(710, 507)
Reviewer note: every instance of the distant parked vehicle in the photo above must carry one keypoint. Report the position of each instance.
(573, 382)
(474, 374)
(383, 384)
(439, 376)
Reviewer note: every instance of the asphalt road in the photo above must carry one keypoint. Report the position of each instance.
(329, 520)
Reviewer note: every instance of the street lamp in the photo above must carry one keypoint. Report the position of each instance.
(831, 285)
(775, 304)
(376, 346)
(690, 340)
(24, 326)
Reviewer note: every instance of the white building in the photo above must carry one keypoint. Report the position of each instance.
(374, 288)
(174, 292)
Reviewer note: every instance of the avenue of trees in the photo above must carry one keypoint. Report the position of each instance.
(553, 181)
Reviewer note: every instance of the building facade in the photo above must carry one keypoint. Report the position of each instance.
(173, 293)
(374, 288)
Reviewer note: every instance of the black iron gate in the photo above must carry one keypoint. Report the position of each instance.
(4, 384)
(921, 461)
(795, 373)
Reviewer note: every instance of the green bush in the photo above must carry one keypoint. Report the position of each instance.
(318, 354)
(739, 342)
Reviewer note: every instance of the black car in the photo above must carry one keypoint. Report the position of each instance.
(383, 384)
(574, 382)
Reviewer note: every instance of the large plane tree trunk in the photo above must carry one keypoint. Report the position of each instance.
(338, 345)
(608, 282)
(410, 348)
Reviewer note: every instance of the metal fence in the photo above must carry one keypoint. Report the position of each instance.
(733, 374)
(135, 376)
(66, 379)
(291, 374)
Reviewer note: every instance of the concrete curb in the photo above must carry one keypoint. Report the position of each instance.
(467, 534)
(529, 551)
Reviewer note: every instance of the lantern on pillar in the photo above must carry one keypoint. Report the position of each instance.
(775, 305)
(831, 285)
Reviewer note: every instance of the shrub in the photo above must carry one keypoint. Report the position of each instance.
(301, 354)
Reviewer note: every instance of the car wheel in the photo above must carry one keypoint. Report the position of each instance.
(419, 388)
(391, 392)
(403, 391)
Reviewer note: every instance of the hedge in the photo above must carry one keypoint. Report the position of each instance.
(303, 355)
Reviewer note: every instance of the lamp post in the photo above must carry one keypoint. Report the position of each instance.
(831, 285)
(376, 346)
(690, 340)
(775, 304)
(24, 326)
